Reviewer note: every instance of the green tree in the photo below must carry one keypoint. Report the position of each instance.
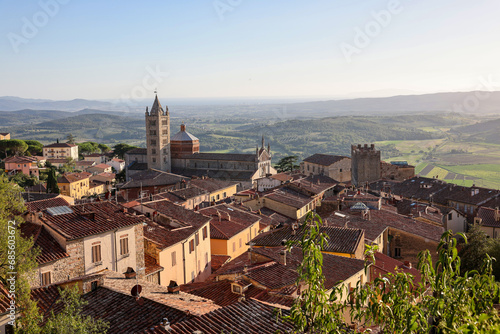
(88, 147)
(34, 147)
(52, 186)
(104, 148)
(16, 256)
(287, 164)
(68, 166)
(121, 149)
(315, 311)
(71, 320)
(24, 180)
(474, 252)
(445, 301)
(11, 147)
(70, 139)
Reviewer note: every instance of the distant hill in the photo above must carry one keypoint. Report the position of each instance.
(10, 103)
(448, 102)
(486, 132)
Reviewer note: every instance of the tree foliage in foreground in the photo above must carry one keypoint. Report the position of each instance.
(446, 300)
(70, 320)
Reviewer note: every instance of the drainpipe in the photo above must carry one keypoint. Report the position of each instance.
(116, 253)
(184, 261)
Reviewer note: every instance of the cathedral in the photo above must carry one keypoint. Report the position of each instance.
(180, 153)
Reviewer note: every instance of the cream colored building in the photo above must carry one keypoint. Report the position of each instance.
(231, 229)
(334, 166)
(74, 185)
(179, 240)
(60, 151)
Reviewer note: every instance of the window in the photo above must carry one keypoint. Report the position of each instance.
(341, 170)
(205, 233)
(154, 159)
(234, 246)
(153, 142)
(191, 246)
(152, 123)
(124, 246)
(224, 195)
(192, 276)
(236, 288)
(153, 151)
(450, 216)
(46, 278)
(197, 238)
(96, 253)
(165, 141)
(164, 132)
(152, 132)
(218, 196)
(174, 259)
(206, 259)
(164, 122)
(397, 252)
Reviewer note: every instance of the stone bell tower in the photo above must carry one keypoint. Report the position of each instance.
(158, 137)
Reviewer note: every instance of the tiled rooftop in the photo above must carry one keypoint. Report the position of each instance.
(230, 222)
(50, 250)
(248, 316)
(152, 177)
(106, 216)
(212, 185)
(189, 193)
(43, 204)
(73, 177)
(60, 145)
(289, 197)
(222, 156)
(488, 216)
(218, 261)
(151, 265)
(340, 240)
(324, 159)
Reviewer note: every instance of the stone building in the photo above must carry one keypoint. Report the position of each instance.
(365, 162)
(181, 154)
(335, 166)
(158, 137)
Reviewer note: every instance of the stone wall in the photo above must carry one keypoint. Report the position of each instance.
(139, 249)
(410, 245)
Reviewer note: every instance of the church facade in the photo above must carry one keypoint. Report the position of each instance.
(180, 153)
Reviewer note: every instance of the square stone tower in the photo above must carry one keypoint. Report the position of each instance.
(365, 164)
(158, 137)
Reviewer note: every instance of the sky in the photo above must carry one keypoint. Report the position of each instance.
(110, 49)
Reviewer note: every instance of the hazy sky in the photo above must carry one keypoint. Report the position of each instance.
(65, 49)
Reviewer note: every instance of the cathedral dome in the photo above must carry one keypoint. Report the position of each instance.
(183, 135)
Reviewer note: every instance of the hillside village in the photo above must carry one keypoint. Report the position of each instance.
(204, 233)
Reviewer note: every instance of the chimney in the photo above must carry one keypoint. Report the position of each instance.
(283, 257)
(166, 324)
(408, 264)
(497, 214)
(88, 215)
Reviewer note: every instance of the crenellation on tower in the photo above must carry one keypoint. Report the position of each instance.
(365, 164)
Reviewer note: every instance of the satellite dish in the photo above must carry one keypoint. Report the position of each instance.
(136, 291)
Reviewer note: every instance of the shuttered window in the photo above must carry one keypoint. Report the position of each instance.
(96, 253)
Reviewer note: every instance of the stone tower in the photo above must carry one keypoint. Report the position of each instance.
(365, 164)
(158, 137)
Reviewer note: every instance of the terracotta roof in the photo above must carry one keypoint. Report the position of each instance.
(234, 175)
(60, 145)
(340, 240)
(20, 160)
(84, 163)
(290, 198)
(488, 217)
(79, 224)
(218, 261)
(29, 197)
(166, 235)
(4, 299)
(283, 177)
(108, 175)
(185, 302)
(151, 265)
(274, 276)
(102, 166)
(73, 177)
(386, 218)
(152, 177)
(50, 250)
(212, 185)
(57, 161)
(232, 221)
(43, 204)
(38, 188)
(245, 317)
(121, 311)
(136, 165)
(315, 184)
(220, 292)
(189, 193)
(221, 156)
(385, 264)
(373, 229)
(138, 151)
(117, 160)
(324, 159)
